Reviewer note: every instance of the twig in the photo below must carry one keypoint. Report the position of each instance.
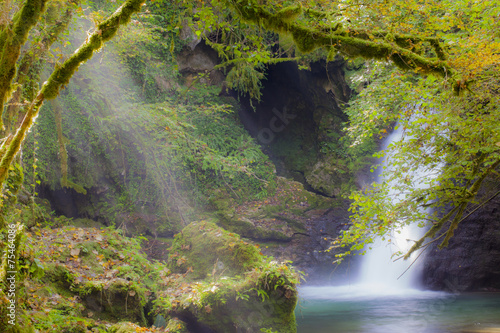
(406, 270)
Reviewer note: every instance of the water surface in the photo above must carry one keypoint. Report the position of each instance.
(367, 309)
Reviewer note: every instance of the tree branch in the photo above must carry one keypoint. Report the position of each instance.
(377, 45)
(61, 75)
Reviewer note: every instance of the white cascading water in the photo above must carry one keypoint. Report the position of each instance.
(380, 300)
(379, 272)
(380, 276)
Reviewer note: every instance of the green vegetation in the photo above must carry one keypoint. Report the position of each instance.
(147, 150)
(233, 285)
(78, 279)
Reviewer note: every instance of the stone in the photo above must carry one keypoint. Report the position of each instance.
(471, 262)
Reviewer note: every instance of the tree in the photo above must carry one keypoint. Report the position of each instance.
(20, 96)
(13, 36)
(435, 44)
(455, 136)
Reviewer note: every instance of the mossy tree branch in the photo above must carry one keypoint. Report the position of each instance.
(104, 32)
(62, 74)
(400, 49)
(454, 216)
(12, 37)
(35, 54)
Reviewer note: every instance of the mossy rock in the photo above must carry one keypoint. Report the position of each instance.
(204, 248)
(227, 285)
(92, 273)
(115, 299)
(249, 230)
(176, 325)
(329, 176)
(58, 275)
(86, 223)
(224, 312)
(124, 327)
(62, 322)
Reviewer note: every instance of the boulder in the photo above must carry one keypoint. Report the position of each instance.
(222, 283)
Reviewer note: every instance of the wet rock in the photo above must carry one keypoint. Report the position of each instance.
(471, 262)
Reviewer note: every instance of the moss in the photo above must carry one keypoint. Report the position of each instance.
(228, 253)
(266, 298)
(295, 224)
(355, 43)
(13, 40)
(124, 327)
(105, 31)
(86, 223)
(249, 230)
(108, 279)
(175, 325)
(58, 275)
(115, 299)
(233, 222)
(49, 320)
(227, 284)
(13, 186)
(288, 14)
(306, 39)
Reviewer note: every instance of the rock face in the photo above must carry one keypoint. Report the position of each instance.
(299, 122)
(310, 250)
(199, 59)
(295, 225)
(471, 262)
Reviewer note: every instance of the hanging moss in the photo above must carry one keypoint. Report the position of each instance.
(12, 187)
(15, 144)
(63, 154)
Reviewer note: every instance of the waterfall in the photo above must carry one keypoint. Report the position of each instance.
(383, 288)
(379, 271)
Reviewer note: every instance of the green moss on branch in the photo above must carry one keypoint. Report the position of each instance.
(400, 49)
(12, 41)
(62, 74)
(104, 32)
